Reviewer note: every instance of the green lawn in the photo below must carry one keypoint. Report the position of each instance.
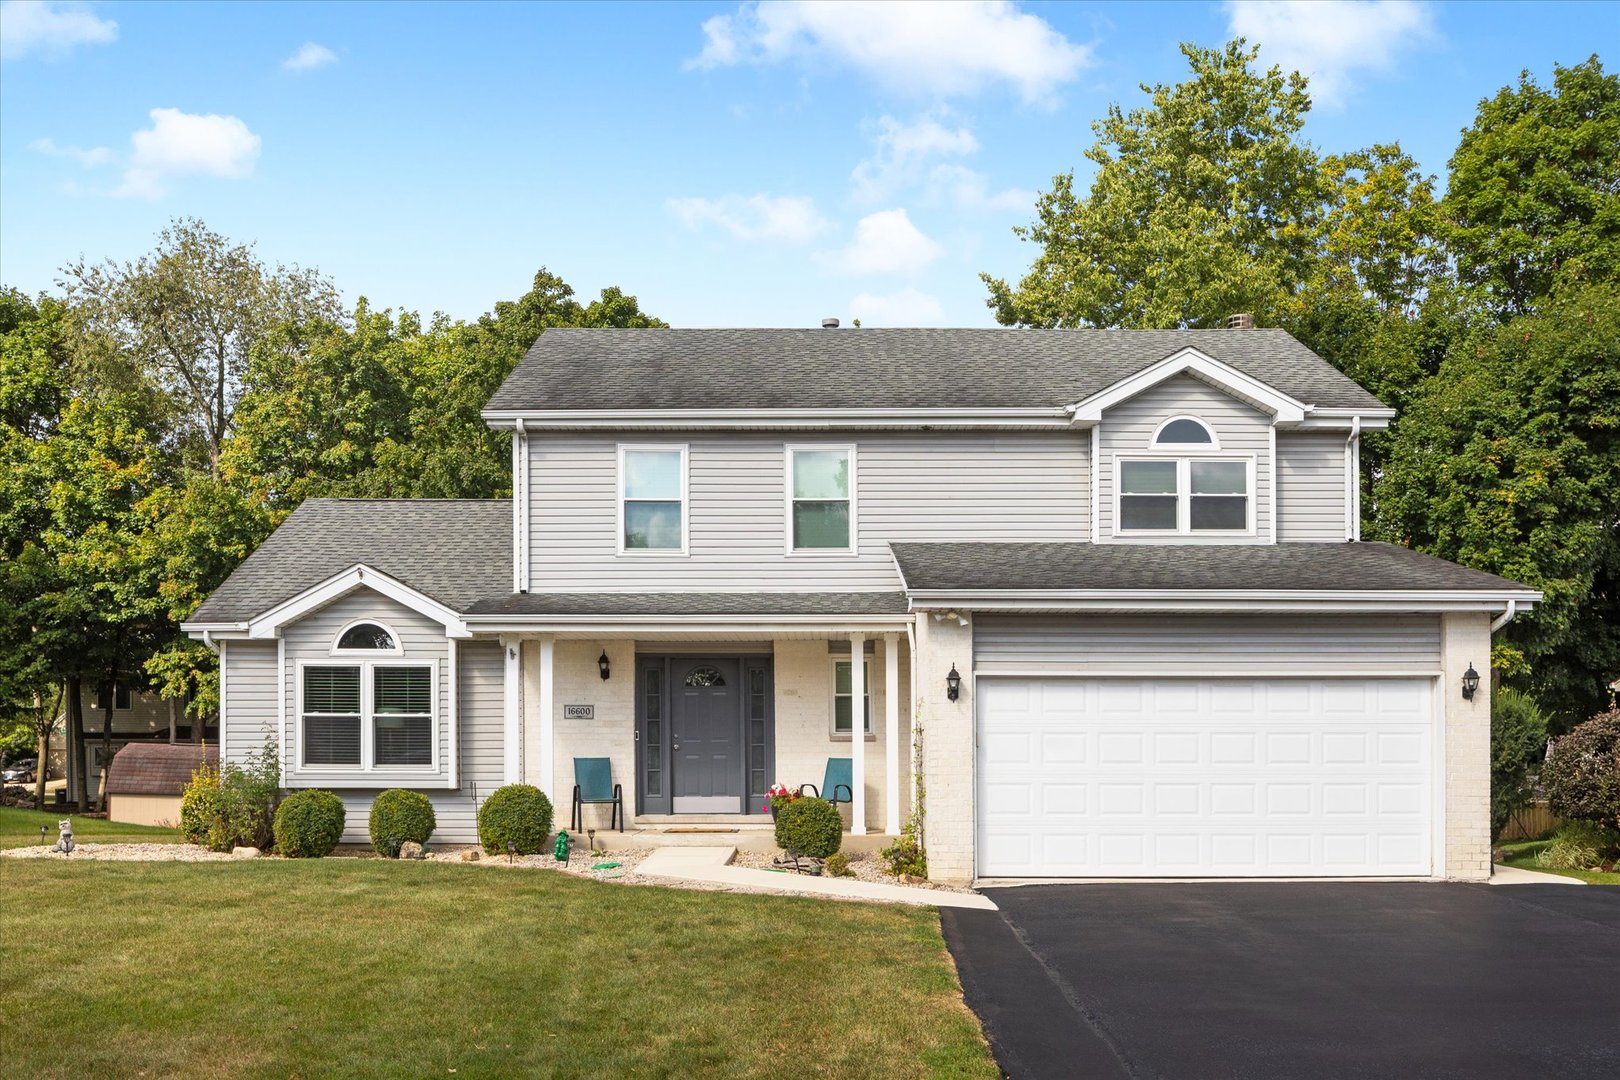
(348, 967)
(20, 828)
(1523, 855)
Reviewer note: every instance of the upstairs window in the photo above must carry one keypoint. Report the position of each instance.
(821, 508)
(1185, 495)
(652, 498)
(1181, 431)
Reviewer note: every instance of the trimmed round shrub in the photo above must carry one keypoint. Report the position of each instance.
(517, 814)
(309, 824)
(811, 827)
(398, 815)
(1582, 772)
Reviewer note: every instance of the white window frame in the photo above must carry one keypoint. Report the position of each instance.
(686, 502)
(1183, 494)
(368, 715)
(397, 650)
(1214, 444)
(789, 451)
(833, 696)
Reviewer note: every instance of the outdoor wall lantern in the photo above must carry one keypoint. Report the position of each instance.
(602, 664)
(953, 684)
(1470, 683)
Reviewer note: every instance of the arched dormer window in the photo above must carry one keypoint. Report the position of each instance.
(366, 637)
(1181, 431)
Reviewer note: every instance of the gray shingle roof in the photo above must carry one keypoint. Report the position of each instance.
(1135, 567)
(455, 550)
(774, 369)
(763, 604)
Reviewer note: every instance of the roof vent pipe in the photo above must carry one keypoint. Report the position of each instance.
(1241, 321)
(829, 323)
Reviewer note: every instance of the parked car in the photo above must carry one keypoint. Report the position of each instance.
(20, 771)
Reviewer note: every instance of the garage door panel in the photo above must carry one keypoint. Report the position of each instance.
(1237, 777)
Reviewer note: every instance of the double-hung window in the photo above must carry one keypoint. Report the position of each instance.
(652, 498)
(1192, 494)
(843, 697)
(332, 715)
(367, 713)
(821, 498)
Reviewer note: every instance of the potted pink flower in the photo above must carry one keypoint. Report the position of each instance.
(778, 796)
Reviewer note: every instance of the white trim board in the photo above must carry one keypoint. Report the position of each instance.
(1189, 361)
(269, 624)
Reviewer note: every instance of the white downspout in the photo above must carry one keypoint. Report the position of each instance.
(1352, 482)
(1506, 616)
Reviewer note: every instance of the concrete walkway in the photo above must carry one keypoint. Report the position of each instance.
(1514, 875)
(713, 865)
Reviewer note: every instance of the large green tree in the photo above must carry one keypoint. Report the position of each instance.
(1534, 194)
(1509, 461)
(1204, 202)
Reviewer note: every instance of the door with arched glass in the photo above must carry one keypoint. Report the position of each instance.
(703, 734)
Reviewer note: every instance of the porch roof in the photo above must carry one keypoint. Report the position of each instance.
(768, 605)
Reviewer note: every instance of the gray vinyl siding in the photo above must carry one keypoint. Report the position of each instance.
(252, 710)
(1162, 645)
(1310, 487)
(925, 487)
(1242, 430)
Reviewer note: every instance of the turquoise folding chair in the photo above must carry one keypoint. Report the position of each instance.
(840, 778)
(593, 783)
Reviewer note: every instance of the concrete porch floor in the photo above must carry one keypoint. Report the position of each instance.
(746, 832)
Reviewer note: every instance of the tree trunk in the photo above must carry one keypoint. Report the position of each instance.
(106, 742)
(174, 710)
(196, 721)
(75, 741)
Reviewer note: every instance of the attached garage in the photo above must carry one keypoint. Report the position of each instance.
(1206, 747)
(1239, 777)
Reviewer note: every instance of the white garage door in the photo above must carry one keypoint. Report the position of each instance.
(1203, 778)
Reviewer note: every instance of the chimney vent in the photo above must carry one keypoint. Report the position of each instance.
(829, 323)
(1240, 321)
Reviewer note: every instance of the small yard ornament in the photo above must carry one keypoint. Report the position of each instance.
(64, 842)
(565, 844)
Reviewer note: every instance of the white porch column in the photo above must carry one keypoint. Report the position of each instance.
(512, 744)
(857, 733)
(891, 733)
(547, 780)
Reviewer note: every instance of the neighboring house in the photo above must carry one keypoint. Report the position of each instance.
(1105, 585)
(138, 716)
(147, 780)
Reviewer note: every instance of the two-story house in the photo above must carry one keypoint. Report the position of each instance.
(1100, 595)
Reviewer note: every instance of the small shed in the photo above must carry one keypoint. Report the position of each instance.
(147, 779)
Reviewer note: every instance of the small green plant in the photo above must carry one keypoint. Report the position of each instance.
(837, 865)
(398, 816)
(309, 824)
(200, 804)
(1580, 845)
(1582, 772)
(517, 814)
(906, 855)
(810, 827)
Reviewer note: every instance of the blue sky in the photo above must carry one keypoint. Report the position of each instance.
(751, 165)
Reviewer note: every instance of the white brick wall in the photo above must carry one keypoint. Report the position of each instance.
(576, 680)
(947, 734)
(1465, 638)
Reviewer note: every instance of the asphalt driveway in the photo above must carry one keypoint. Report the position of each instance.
(1295, 980)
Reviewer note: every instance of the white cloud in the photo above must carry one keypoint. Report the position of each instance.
(1330, 40)
(908, 307)
(88, 158)
(50, 28)
(934, 47)
(884, 242)
(187, 144)
(969, 189)
(900, 152)
(792, 218)
(309, 56)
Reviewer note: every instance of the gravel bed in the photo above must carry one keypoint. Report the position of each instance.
(121, 853)
(865, 866)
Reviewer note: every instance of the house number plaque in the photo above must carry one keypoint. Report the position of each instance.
(579, 712)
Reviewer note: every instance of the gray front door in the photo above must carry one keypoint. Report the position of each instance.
(706, 737)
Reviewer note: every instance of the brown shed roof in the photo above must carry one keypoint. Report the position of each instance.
(157, 768)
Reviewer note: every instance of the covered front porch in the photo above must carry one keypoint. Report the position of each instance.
(698, 723)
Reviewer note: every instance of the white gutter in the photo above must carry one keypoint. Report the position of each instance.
(1040, 417)
(976, 599)
(1506, 616)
